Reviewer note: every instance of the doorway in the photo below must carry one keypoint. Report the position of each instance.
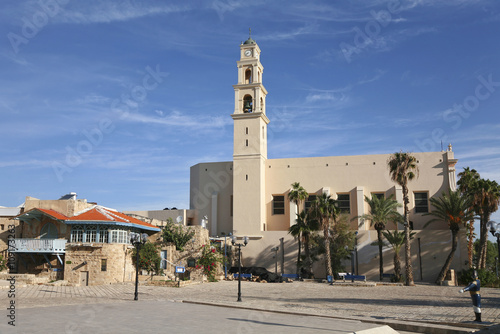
(84, 278)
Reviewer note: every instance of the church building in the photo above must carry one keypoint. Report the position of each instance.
(249, 195)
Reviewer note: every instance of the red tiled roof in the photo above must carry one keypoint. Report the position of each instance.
(52, 213)
(101, 214)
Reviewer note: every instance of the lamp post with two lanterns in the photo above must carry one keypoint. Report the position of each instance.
(245, 242)
(137, 240)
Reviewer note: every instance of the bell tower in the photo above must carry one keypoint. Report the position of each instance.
(250, 142)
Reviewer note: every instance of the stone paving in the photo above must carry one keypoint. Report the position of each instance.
(421, 303)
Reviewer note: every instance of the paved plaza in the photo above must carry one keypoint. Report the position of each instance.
(428, 305)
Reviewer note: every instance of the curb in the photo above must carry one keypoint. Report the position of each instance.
(409, 326)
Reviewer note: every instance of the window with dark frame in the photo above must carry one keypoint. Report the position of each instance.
(278, 205)
(344, 203)
(421, 202)
(309, 200)
(104, 264)
(378, 195)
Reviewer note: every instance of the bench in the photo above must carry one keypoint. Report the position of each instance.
(390, 276)
(291, 276)
(347, 276)
(249, 276)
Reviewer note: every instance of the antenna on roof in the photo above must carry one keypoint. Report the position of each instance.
(249, 32)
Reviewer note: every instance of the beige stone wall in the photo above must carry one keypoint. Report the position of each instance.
(5, 222)
(80, 259)
(66, 207)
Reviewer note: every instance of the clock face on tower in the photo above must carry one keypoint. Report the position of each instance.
(248, 53)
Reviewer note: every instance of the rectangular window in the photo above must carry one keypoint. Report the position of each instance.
(344, 203)
(308, 203)
(278, 205)
(378, 195)
(114, 237)
(231, 207)
(103, 236)
(2, 227)
(104, 264)
(421, 202)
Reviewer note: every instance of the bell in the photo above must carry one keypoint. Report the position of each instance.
(247, 107)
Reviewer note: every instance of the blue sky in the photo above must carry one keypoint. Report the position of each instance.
(115, 100)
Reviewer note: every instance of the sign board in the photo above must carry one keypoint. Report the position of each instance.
(179, 270)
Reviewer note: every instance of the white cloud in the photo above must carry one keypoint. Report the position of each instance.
(111, 11)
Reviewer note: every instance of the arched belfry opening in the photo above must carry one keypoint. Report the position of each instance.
(248, 76)
(247, 104)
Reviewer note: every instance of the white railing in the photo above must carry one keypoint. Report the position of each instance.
(40, 246)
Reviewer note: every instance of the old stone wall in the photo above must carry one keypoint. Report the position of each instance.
(5, 231)
(83, 260)
(66, 207)
(189, 257)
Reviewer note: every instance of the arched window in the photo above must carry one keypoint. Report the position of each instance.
(247, 104)
(76, 233)
(248, 76)
(91, 233)
(261, 104)
(49, 231)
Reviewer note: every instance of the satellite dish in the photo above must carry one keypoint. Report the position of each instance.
(179, 219)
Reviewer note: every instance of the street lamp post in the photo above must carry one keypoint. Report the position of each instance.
(275, 250)
(494, 228)
(225, 252)
(137, 240)
(245, 242)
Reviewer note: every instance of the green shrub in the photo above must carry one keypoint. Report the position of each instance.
(487, 278)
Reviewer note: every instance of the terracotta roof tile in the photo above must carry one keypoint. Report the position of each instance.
(101, 214)
(52, 213)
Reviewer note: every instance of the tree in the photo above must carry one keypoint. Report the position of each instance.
(453, 208)
(297, 195)
(486, 196)
(341, 243)
(382, 210)
(325, 210)
(174, 233)
(466, 183)
(403, 168)
(302, 229)
(396, 239)
(149, 259)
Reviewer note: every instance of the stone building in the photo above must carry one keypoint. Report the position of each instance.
(249, 195)
(80, 242)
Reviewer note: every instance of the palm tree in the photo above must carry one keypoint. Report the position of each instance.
(403, 168)
(297, 195)
(453, 208)
(382, 210)
(324, 208)
(467, 182)
(486, 199)
(396, 239)
(304, 226)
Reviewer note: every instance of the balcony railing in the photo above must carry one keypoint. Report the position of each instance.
(39, 246)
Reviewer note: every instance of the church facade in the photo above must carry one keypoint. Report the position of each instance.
(249, 195)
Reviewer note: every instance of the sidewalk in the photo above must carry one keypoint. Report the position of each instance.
(424, 304)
